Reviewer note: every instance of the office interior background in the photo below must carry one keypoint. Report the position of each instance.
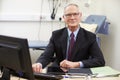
(31, 19)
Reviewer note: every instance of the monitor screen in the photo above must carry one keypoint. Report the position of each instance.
(15, 56)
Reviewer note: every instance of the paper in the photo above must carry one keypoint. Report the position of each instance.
(105, 71)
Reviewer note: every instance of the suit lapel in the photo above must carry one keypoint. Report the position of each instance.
(79, 41)
(64, 42)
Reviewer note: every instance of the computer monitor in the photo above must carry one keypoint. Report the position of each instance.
(15, 56)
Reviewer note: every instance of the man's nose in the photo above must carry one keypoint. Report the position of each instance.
(72, 16)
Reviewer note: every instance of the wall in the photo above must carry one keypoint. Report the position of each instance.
(21, 18)
(111, 43)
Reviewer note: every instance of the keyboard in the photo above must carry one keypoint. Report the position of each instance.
(47, 76)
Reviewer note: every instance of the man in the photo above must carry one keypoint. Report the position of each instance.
(85, 51)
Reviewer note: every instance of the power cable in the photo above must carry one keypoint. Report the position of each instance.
(55, 8)
(40, 19)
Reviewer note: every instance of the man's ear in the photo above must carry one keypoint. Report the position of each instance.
(80, 14)
(63, 16)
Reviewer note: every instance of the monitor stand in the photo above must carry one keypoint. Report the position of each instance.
(5, 74)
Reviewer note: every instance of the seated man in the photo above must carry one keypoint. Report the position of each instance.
(73, 46)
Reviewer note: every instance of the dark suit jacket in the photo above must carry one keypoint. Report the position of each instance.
(85, 49)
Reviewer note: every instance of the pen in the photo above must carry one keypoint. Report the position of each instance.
(72, 76)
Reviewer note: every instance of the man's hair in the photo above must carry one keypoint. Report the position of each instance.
(72, 4)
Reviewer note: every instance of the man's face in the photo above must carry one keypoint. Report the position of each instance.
(72, 16)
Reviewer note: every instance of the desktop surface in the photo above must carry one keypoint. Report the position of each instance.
(80, 78)
(102, 78)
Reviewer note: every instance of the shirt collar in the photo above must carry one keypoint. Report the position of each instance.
(75, 32)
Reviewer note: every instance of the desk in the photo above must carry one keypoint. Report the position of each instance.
(103, 78)
(100, 78)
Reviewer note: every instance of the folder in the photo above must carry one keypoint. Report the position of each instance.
(80, 70)
(105, 71)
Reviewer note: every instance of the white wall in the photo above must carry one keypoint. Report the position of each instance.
(21, 18)
(111, 43)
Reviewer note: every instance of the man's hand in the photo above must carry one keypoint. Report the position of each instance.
(65, 64)
(69, 64)
(37, 67)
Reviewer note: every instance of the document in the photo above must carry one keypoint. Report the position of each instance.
(105, 71)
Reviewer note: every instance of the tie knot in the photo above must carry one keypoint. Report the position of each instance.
(72, 35)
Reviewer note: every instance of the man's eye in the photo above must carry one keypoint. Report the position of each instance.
(76, 14)
(73, 14)
(68, 14)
